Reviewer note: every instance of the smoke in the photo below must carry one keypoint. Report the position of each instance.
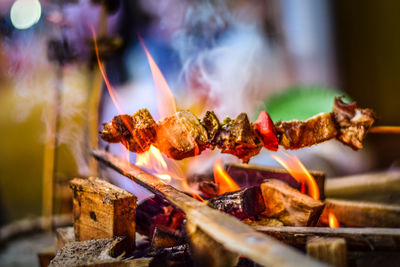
(226, 57)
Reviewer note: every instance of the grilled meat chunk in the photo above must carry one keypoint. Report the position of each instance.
(238, 137)
(212, 125)
(297, 134)
(181, 136)
(136, 132)
(353, 123)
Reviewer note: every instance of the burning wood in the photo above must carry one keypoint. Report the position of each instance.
(165, 237)
(183, 135)
(241, 204)
(361, 214)
(289, 205)
(102, 210)
(234, 236)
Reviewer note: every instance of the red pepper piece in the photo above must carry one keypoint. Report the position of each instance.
(266, 128)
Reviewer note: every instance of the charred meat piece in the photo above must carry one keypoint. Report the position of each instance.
(238, 137)
(136, 132)
(353, 123)
(181, 135)
(212, 125)
(297, 134)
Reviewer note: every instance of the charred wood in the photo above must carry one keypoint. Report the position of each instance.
(241, 204)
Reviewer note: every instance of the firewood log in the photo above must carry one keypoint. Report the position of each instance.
(164, 237)
(330, 250)
(102, 210)
(361, 214)
(242, 204)
(289, 205)
(253, 175)
(366, 239)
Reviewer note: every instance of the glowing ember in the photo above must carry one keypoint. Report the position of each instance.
(223, 180)
(333, 221)
(296, 169)
(165, 100)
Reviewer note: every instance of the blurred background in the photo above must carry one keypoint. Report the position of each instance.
(229, 56)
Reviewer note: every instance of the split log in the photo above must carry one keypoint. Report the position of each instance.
(64, 236)
(379, 186)
(369, 239)
(103, 210)
(246, 175)
(224, 229)
(330, 250)
(288, 205)
(96, 252)
(242, 204)
(361, 214)
(164, 237)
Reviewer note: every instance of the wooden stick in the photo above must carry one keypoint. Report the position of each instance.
(232, 234)
(385, 130)
(327, 249)
(371, 239)
(288, 205)
(369, 185)
(361, 214)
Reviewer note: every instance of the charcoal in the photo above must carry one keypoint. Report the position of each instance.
(181, 135)
(208, 188)
(157, 211)
(165, 237)
(241, 204)
(238, 137)
(353, 123)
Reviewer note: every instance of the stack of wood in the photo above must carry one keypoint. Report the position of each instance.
(177, 229)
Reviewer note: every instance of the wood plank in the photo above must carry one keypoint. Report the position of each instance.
(362, 213)
(370, 239)
(288, 205)
(331, 250)
(228, 231)
(102, 210)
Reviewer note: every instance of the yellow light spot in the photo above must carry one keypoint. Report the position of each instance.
(25, 13)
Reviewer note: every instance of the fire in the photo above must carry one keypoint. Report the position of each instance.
(152, 159)
(296, 169)
(223, 180)
(333, 221)
(165, 99)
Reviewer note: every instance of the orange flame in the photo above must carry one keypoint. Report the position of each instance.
(110, 88)
(333, 221)
(165, 99)
(296, 169)
(154, 160)
(223, 180)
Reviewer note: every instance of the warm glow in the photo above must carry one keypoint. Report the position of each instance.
(296, 169)
(165, 99)
(223, 180)
(152, 159)
(333, 222)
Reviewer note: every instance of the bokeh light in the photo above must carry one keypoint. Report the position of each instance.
(25, 13)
